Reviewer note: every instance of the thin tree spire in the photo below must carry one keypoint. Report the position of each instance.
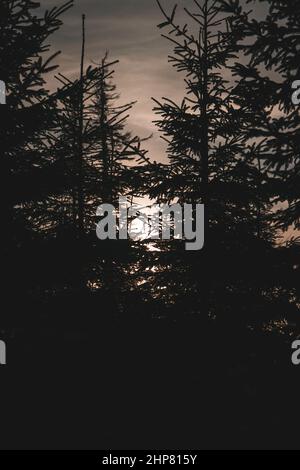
(80, 138)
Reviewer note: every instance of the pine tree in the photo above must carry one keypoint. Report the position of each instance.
(274, 121)
(26, 121)
(98, 158)
(211, 163)
(264, 92)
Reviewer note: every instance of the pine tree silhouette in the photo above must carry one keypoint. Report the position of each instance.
(108, 156)
(272, 123)
(272, 68)
(26, 121)
(211, 163)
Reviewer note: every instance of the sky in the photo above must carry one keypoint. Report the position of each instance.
(128, 30)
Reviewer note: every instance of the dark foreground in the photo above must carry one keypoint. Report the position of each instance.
(157, 385)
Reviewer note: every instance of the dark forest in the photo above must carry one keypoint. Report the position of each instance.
(140, 343)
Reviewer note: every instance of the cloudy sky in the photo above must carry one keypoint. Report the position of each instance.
(128, 30)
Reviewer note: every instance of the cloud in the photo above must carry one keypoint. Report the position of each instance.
(128, 30)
